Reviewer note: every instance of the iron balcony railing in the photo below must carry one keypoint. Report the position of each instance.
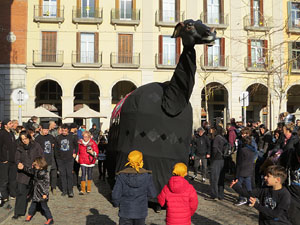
(214, 62)
(125, 17)
(263, 23)
(215, 20)
(255, 65)
(86, 59)
(48, 58)
(166, 62)
(88, 15)
(48, 13)
(168, 18)
(119, 60)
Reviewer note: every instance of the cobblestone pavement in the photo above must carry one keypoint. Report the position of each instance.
(94, 208)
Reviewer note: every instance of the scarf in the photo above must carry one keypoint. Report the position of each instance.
(180, 169)
(135, 160)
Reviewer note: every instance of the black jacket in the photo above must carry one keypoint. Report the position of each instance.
(288, 150)
(217, 149)
(66, 146)
(41, 183)
(265, 141)
(201, 145)
(131, 193)
(26, 155)
(7, 146)
(244, 161)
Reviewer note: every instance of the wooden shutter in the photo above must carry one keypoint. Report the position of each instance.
(289, 6)
(265, 52)
(134, 12)
(290, 59)
(261, 13)
(78, 46)
(117, 9)
(160, 49)
(97, 10)
(205, 11)
(178, 49)
(249, 52)
(222, 52)
(40, 8)
(251, 13)
(96, 48)
(205, 55)
(125, 48)
(160, 11)
(49, 46)
(78, 9)
(177, 11)
(58, 8)
(222, 16)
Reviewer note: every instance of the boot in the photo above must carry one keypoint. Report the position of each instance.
(82, 188)
(89, 186)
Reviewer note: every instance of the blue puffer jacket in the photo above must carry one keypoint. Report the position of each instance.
(131, 193)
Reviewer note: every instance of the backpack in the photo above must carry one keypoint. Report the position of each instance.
(226, 151)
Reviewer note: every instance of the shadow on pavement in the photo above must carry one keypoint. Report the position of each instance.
(196, 218)
(102, 186)
(96, 218)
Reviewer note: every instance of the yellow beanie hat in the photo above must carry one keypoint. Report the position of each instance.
(135, 160)
(180, 169)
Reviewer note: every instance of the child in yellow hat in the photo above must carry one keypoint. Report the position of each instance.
(133, 186)
(179, 196)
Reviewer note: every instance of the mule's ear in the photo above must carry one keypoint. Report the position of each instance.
(177, 30)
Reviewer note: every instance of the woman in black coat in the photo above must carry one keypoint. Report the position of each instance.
(27, 151)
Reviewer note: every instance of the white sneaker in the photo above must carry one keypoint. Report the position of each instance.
(193, 177)
(241, 202)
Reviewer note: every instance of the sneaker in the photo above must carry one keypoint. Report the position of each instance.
(15, 217)
(241, 202)
(157, 209)
(28, 218)
(49, 221)
(203, 180)
(64, 194)
(53, 190)
(194, 177)
(12, 198)
(81, 193)
(71, 195)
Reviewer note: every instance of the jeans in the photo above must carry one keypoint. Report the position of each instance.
(21, 199)
(86, 171)
(65, 168)
(45, 208)
(203, 167)
(126, 221)
(217, 179)
(247, 182)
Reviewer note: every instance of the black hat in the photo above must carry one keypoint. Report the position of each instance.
(5, 122)
(45, 125)
(73, 125)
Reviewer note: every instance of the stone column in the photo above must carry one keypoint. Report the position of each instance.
(67, 108)
(105, 109)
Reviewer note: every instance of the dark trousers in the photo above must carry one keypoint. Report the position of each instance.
(217, 179)
(76, 168)
(12, 179)
(86, 171)
(125, 221)
(44, 206)
(21, 199)
(53, 176)
(65, 168)
(246, 181)
(203, 166)
(4, 180)
(102, 168)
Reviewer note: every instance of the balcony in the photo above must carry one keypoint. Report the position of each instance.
(217, 21)
(87, 15)
(125, 60)
(48, 14)
(87, 59)
(218, 63)
(166, 62)
(168, 18)
(263, 24)
(48, 59)
(122, 17)
(255, 66)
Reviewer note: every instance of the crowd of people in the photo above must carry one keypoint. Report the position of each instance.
(34, 156)
(249, 153)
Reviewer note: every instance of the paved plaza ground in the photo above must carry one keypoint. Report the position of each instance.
(96, 209)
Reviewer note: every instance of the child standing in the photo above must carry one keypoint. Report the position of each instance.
(133, 186)
(41, 188)
(179, 196)
(273, 201)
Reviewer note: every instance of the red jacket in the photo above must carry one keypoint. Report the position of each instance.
(84, 157)
(181, 200)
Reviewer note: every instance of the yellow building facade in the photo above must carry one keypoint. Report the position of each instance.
(95, 52)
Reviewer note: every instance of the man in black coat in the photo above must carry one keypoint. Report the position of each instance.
(201, 152)
(8, 167)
